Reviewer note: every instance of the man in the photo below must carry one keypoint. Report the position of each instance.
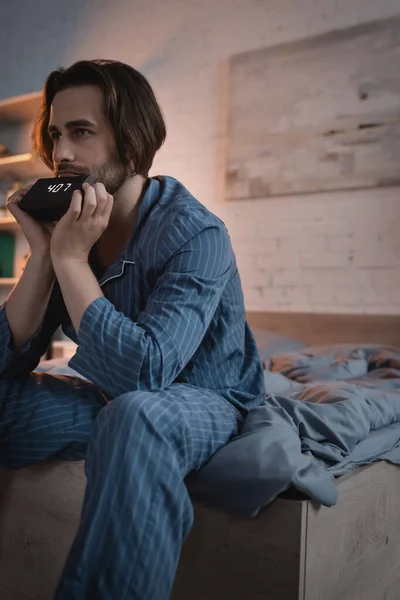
(143, 277)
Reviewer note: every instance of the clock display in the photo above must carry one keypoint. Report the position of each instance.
(49, 198)
(60, 187)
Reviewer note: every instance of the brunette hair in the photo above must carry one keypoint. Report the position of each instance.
(129, 104)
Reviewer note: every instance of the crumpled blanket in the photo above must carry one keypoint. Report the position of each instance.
(328, 410)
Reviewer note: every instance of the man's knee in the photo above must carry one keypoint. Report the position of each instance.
(155, 410)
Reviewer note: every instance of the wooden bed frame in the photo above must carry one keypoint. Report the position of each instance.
(292, 550)
(319, 328)
(295, 550)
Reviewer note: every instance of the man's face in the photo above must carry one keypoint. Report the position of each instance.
(83, 139)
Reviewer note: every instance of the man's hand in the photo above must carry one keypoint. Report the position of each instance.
(37, 234)
(80, 228)
(72, 239)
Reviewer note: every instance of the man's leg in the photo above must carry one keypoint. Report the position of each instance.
(46, 416)
(137, 511)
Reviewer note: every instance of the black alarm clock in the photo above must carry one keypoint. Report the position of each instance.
(49, 199)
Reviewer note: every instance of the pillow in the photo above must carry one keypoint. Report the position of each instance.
(270, 343)
(57, 366)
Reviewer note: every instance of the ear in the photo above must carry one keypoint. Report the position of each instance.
(132, 170)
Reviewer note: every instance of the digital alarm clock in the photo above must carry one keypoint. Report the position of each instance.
(49, 199)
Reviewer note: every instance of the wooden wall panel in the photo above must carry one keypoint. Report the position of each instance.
(316, 115)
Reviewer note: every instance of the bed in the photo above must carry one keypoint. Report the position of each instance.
(291, 549)
(294, 548)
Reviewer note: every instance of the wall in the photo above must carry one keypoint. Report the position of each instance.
(337, 252)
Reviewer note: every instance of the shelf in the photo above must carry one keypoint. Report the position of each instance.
(20, 108)
(63, 348)
(9, 224)
(8, 281)
(23, 166)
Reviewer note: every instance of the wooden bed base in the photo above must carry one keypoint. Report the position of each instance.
(294, 550)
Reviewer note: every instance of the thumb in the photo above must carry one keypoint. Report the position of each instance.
(22, 217)
(15, 210)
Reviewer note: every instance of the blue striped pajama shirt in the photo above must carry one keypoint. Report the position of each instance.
(170, 368)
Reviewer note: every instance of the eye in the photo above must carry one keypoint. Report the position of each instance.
(82, 132)
(55, 136)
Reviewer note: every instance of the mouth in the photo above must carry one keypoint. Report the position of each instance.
(69, 174)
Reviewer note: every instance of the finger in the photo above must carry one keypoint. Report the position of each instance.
(75, 207)
(19, 194)
(13, 208)
(22, 217)
(12, 205)
(108, 204)
(18, 214)
(16, 196)
(101, 196)
(108, 208)
(89, 202)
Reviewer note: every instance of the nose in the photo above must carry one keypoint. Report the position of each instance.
(63, 151)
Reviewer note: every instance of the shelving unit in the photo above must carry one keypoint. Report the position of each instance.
(17, 115)
(9, 224)
(20, 111)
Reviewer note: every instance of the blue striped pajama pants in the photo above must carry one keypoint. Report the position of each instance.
(138, 448)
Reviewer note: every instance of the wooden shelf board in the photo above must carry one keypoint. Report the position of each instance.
(20, 108)
(64, 344)
(22, 166)
(8, 281)
(63, 348)
(8, 224)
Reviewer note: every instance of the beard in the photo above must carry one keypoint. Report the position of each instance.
(111, 173)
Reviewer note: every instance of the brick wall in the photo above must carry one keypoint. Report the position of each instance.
(325, 253)
(336, 252)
